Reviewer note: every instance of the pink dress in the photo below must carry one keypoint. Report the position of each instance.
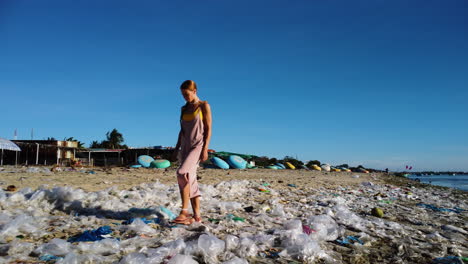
(192, 139)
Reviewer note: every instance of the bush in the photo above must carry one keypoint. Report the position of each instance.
(313, 162)
(296, 163)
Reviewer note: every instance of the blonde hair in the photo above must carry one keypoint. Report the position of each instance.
(188, 85)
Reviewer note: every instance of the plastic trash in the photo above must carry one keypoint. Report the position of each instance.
(210, 247)
(440, 209)
(307, 230)
(278, 210)
(447, 260)
(20, 225)
(454, 228)
(235, 218)
(247, 248)
(102, 247)
(73, 258)
(182, 259)
(18, 248)
(168, 213)
(323, 228)
(33, 170)
(367, 184)
(281, 226)
(139, 227)
(48, 258)
(93, 235)
(143, 219)
(168, 250)
(249, 209)
(134, 258)
(236, 260)
(349, 240)
(231, 242)
(272, 253)
(56, 247)
(346, 217)
(229, 206)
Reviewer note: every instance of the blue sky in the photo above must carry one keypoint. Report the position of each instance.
(379, 83)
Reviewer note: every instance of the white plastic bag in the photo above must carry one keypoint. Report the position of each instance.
(211, 247)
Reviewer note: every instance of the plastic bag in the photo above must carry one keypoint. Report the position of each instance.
(56, 247)
(134, 258)
(103, 247)
(20, 225)
(232, 242)
(20, 249)
(247, 248)
(236, 260)
(73, 258)
(323, 228)
(210, 247)
(182, 259)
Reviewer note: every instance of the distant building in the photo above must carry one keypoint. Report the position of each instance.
(121, 157)
(42, 152)
(100, 157)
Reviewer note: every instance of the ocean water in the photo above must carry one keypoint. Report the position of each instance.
(452, 181)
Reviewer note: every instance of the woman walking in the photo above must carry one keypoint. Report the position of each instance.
(191, 148)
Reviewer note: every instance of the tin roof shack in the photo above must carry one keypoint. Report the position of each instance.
(43, 152)
(100, 157)
(120, 157)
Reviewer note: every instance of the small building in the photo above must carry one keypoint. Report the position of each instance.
(42, 152)
(100, 157)
(120, 157)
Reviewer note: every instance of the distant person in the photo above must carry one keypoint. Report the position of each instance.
(191, 148)
(386, 170)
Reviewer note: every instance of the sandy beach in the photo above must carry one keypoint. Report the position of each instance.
(250, 216)
(125, 178)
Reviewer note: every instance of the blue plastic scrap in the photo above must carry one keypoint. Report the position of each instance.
(440, 209)
(48, 258)
(447, 260)
(131, 220)
(93, 235)
(168, 212)
(347, 240)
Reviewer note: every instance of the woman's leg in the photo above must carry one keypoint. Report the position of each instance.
(186, 177)
(196, 208)
(184, 195)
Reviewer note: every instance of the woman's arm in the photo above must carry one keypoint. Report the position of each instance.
(179, 140)
(207, 122)
(177, 147)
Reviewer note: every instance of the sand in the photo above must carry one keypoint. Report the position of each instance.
(125, 178)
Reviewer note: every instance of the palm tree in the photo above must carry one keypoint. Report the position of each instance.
(95, 144)
(114, 139)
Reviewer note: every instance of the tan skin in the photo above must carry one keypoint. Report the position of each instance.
(193, 102)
